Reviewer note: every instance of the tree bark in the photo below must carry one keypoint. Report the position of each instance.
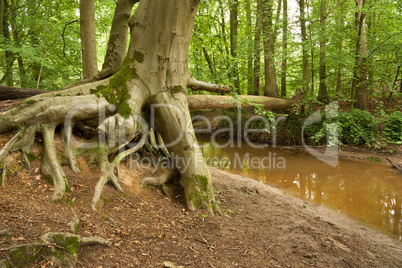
(322, 91)
(303, 28)
(271, 86)
(1, 15)
(197, 102)
(13, 93)
(88, 38)
(117, 45)
(9, 56)
(284, 48)
(234, 22)
(257, 49)
(359, 84)
(339, 81)
(249, 51)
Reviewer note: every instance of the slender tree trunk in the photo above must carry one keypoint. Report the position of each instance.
(9, 56)
(234, 22)
(44, 46)
(284, 48)
(17, 43)
(322, 92)
(339, 80)
(88, 38)
(359, 85)
(257, 49)
(117, 45)
(271, 86)
(223, 29)
(1, 15)
(249, 51)
(303, 28)
(370, 63)
(400, 85)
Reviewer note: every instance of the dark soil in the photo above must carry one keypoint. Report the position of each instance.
(260, 226)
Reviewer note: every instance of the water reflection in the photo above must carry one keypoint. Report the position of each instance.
(368, 192)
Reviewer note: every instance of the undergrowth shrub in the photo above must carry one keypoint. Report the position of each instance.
(393, 127)
(357, 127)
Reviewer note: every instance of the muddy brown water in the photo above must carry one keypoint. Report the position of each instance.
(368, 192)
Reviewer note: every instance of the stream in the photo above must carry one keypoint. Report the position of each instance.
(368, 192)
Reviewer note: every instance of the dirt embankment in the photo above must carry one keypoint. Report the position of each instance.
(260, 228)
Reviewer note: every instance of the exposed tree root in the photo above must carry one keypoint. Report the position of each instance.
(3, 175)
(59, 248)
(51, 168)
(66, 134)
(9, 146)
(108, 175)
(166, 177)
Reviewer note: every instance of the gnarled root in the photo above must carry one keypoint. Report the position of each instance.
(51, 168)
(108, 175)
(177, 131)
(57, 247)
(110, 170)
(66, 134)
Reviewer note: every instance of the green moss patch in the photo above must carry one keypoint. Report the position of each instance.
(116, 92)
(71, 244)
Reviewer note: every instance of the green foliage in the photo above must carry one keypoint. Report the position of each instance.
(357, 127)
(393, 127)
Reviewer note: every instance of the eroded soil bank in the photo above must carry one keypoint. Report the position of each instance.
(261, 228)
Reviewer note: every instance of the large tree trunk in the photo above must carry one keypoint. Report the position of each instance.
(271, 86)
(359, 84)
(304, 48)
(257, 49)
(322, 92)
(88, 38)
(234, 22)
(249, 51)
(153, 76)
(284, 48)
(1, 15)
(9, 56)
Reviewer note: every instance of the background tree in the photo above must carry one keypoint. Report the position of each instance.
(322, 92)
(303, 30)
(359, 86)
(284, 48)
(271, 85)
(234, 25)
(257, 50)
(88, 38)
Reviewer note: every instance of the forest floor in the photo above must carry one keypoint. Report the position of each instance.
(260, 227)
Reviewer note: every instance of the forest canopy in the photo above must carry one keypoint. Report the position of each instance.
(324, 47)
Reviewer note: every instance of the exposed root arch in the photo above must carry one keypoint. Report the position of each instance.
(45, 112)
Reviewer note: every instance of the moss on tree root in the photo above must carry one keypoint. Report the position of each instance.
(59, 248)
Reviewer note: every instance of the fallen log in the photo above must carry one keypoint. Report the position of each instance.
(394, 165)
(197, 102)
(15, 93)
